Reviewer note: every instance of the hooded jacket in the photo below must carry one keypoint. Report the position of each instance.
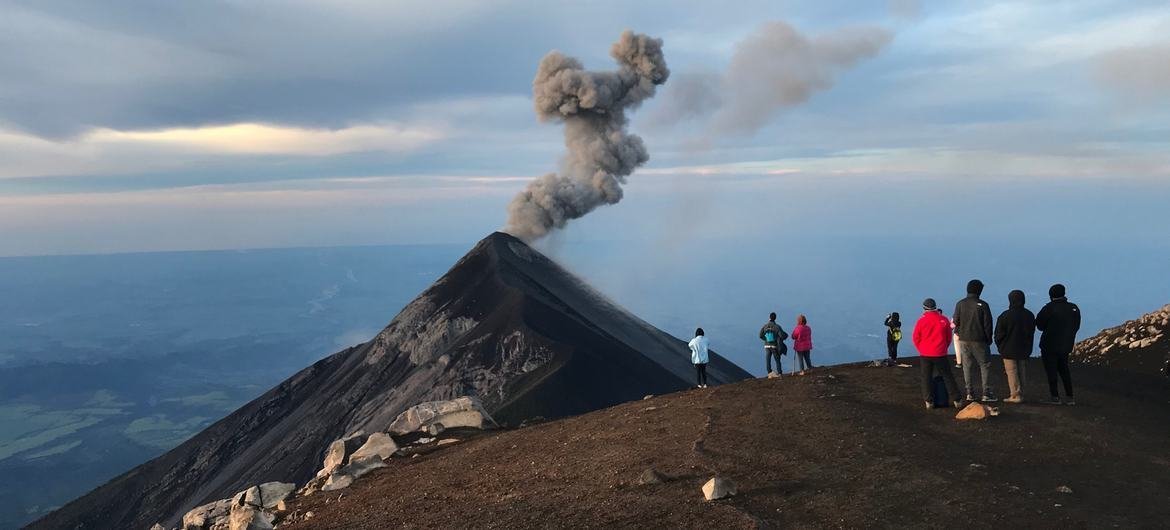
(973, 322)
(802, 338)
(1015, 329)
(698, 347)
(775, 328)
(932, 334)
(1058, 323)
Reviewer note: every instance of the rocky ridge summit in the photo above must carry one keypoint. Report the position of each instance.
(1141, 345)
(506, 325)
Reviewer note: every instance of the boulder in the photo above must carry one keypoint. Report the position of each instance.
(336, 481)
(248, 517)
(976, 411)
(460, 412)
(378, 444)
(360, 466)
(718, 488)
(158, 527)
(212, 515)
(268, 494)
(338, 453)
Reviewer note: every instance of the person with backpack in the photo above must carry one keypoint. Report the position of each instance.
(1015, 333)
(974, 329)
(893, 335)
(773, 336)
(802, 343)
(932, 338)
(1058, 323)
(699, 346)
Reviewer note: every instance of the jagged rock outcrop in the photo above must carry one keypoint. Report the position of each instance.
(1142, 344)
(251, 509)
(506, 325)
(436, 416)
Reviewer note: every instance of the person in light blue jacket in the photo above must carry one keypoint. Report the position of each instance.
(699, 356)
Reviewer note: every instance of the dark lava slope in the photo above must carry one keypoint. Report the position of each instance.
(505, 323)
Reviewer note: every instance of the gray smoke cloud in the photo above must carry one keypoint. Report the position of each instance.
(774, 68)
(601, 153)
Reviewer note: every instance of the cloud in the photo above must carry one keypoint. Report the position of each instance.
(1141, 73)
(254, 138)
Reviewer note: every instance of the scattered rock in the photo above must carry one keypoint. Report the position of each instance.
(268, 495)
(648, 396)
(1064, 489)
(465, 411)
(206, 516)
(652, 476)
(338, 453)
(158, 527)
(336, 481)
(435, 429)
(718, 488)
(248, 517)
(447, 441)
(378, 444)
(360, 466)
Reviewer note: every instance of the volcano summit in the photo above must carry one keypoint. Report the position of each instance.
(506, 324)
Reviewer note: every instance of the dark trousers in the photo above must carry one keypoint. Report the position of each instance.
(891, 348)
(1056, 364)
(941, 366)
(769, 353)
(805, 360)
(701, 372)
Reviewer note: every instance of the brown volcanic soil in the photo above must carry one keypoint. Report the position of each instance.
(849, 446)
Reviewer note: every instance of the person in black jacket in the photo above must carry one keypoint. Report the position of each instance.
(973, 326)
(773, 336)
(1058, 323)
(1015, 333)
(893, 335)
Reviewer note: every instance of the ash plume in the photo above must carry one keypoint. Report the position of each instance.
(774, 68)
(601, 153)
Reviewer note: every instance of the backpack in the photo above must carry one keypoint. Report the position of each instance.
(896, 333)
(769, 336)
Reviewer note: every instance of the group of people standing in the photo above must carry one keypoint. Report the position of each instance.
(972, 330)
(773, 337)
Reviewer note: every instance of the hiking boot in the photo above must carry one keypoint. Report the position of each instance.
(1013, 399)
(988, 398)
(1070, 401)
(929, 405)
(970, 396)
(1054, 400)
(958, 404)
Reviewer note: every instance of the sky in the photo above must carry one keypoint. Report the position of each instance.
(140, 125)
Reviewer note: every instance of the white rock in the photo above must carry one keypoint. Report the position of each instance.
(339, 451)
(460, 412)
(337, 481)
(247, 517)
(268, 494)
(378, 444)
(158, 527)
(206, 516)
(718, 488)
(360, 466)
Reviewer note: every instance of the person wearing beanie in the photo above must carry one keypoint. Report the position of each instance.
(932, 337)
(1058, 322)
(974, 329)
(773, 336)
(1015, 333)
(893, 335)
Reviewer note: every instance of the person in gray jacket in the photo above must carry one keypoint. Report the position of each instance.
(974, 327)
(773, 336)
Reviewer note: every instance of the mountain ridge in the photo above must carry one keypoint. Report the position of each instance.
(505, 324)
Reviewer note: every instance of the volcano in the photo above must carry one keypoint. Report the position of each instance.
(505, 324)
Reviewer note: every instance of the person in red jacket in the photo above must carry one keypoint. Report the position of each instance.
(802, 343)
(932, 338)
